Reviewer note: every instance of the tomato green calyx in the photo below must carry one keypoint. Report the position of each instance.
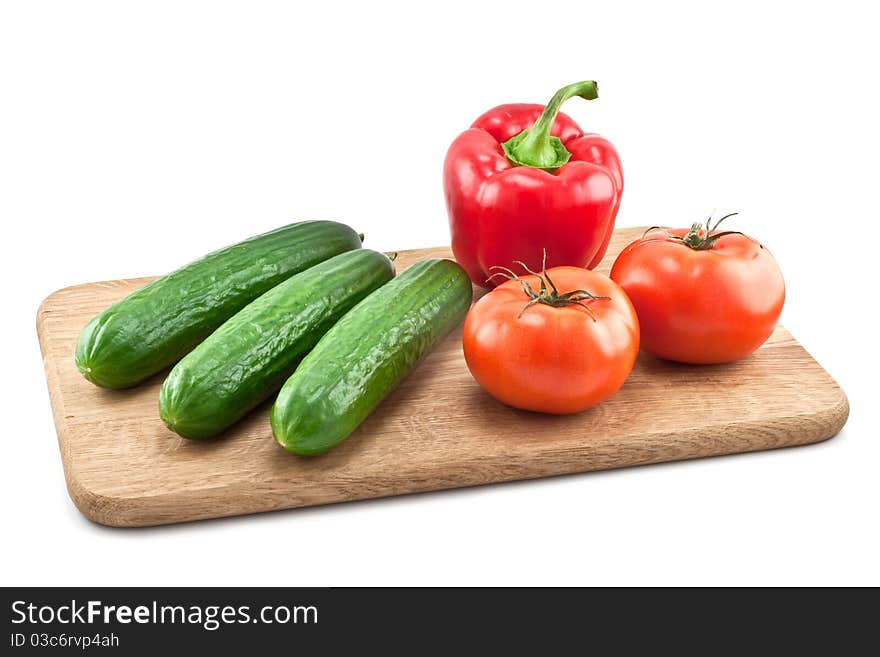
(547, 293)
(701, 240)
(536, 148)
(697, 238)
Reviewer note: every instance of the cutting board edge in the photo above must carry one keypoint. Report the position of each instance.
(164, 509)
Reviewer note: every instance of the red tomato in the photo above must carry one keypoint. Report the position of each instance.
(699, 300)
(552, 351)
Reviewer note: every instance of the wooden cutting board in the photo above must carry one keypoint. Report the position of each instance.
(437, 430)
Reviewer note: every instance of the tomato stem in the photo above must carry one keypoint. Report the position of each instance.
(697, 238)
(551, 296)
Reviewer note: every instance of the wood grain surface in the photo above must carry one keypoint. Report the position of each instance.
(438, 430)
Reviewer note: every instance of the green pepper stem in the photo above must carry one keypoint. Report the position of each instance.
(536, 147)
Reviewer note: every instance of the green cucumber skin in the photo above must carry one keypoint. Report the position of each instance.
(249, 357)
(367, 354)
(155, 326)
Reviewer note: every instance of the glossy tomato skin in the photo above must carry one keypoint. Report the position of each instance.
(709, 306)
(552, 360)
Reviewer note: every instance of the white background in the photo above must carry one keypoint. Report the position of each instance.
(134, 137)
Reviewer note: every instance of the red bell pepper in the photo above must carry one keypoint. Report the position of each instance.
(525, 178)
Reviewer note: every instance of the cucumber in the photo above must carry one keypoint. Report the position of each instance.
(154, 327)
(248, 358)
(366, 354)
